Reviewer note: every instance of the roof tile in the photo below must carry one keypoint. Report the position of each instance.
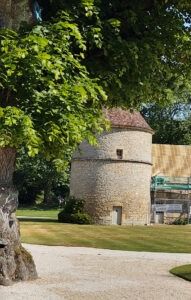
(124, 118)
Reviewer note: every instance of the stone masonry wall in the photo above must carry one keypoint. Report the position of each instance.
(103, 181)
(107, 184)
(136, 145)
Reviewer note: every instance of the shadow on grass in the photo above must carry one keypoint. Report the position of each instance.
(38, 207)
(28, 219)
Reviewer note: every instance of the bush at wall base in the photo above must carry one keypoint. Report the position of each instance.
(180, 221)
(73, 212)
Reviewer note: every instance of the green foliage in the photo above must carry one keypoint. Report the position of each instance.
(36, 175)
(139, 49)
(76, 218)
(73, 212)
(171, 124)
(180, 221)
(54, 77)
(73, 205)
(81, 218)
(44, 83)
(16, 128)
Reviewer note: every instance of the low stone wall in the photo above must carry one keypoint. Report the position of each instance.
(171, 198)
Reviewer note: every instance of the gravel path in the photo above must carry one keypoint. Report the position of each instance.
(93, 274)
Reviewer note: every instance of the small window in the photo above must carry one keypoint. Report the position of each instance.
(119, 153)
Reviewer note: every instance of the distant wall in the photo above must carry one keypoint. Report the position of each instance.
(171, 198)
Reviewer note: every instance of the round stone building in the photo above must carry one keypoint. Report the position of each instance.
(114, 177)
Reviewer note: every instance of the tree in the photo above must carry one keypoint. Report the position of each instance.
(171, 124)
(53, 79)
(139, 49)
(35, 175)
(48, 104)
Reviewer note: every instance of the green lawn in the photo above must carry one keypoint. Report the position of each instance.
(138, 238)
(46, 213)
(182, 271)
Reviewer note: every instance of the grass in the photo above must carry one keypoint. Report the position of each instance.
(44, 213)
(182, 271)
(133, 238)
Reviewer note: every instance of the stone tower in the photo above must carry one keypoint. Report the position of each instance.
(114, 177)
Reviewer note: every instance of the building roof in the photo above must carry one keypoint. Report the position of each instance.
(124, 118)
(171, 160)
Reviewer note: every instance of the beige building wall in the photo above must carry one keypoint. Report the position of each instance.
(136, 145)
(105, 182)
(171, 160)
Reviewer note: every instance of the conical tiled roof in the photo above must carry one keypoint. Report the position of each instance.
(124, 118)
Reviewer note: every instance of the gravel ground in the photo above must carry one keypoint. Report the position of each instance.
(93, 274)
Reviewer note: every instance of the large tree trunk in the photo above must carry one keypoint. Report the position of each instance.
(15, 262)
(13, 12)
(48, 201)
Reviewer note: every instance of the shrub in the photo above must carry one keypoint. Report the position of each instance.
(73, 212)
(180, 221)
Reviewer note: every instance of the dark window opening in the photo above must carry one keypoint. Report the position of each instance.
(119, 153)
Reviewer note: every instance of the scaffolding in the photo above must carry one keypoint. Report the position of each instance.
(170, 199)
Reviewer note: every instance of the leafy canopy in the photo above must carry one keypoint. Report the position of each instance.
(34, 175)
(171, 124)
(49, 103)
(140, 49)
(55, 77)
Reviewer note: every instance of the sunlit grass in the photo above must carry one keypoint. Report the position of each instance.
(44, 213)
(137, 238)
